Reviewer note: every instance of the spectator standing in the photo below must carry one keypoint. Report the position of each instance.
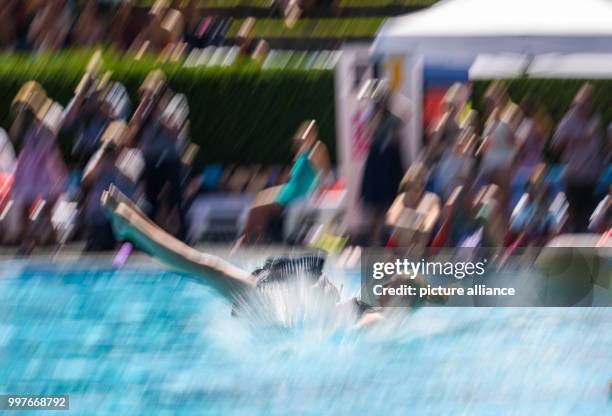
(40, 172)
(580, 139)
(114, 165)
(163, 167)
(383, 170)
(499, 151)
(51, 26)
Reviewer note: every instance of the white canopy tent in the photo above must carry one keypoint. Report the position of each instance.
(467, 28)
(487, 66)
(579, 65)
(552, 65)
(457, 31)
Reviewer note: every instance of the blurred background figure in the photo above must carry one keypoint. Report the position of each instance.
(90, 28)
(153, 97)
(8, 231)
(151, 36)
(532, 219)
(95, 105)
(163, 32)
(51, 25)
(112, 164)
(532, 135)
(158, 129)
(383, 169)
(163, 167)
(601, 220)
(495, 101)
(120, 32)
(40, 173)
(414, 213)
(446, 128)
(310, 166)
(7, 154)
(499, 150)
(457, 165)
(581, 141)
(9, 23)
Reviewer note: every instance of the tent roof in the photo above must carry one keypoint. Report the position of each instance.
(552, 65)
(470, 27)
(571, 66)
(498, 66)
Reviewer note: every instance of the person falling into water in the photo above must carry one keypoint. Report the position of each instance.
(233, 283)
(244, 289)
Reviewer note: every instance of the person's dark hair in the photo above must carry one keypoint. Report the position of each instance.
(110, 148)
(529, 105)
(283, 268)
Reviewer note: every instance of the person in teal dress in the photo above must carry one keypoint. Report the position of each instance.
(310, 164)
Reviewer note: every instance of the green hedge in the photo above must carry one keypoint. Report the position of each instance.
(328, 28)
(554, 94)
(239, 114)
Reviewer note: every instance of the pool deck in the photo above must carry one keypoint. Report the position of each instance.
(74, 252)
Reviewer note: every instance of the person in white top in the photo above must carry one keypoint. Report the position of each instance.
(415, 212)
(499, 150)
(8, 228)
(7, 153)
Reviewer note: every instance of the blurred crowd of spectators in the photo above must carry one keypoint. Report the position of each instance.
(474, 184)
(481, 178)
(484, 179)
(169, 26)
(146, 154)
(45, 25)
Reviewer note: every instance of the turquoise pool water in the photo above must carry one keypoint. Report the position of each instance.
(144, 341)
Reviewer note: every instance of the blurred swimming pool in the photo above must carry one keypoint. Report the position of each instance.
(147, 341)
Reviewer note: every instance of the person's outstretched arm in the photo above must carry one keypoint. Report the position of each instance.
(130, 223)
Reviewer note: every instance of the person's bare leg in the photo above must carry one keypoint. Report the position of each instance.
(131, 224)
